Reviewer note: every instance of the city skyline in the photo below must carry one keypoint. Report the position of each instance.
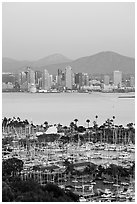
(74, 29)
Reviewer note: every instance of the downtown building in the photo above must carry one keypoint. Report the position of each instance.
(46, 80)
(26, 80)
(31, 80)
(132, 81)
(117, 79)
(81, 80)
(68, 77)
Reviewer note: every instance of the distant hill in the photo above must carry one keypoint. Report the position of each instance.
(52, 59)
(100, 63)
(12, 65)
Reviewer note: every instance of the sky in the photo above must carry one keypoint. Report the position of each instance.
(31, 31)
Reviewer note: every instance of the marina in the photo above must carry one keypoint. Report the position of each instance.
(87, 167)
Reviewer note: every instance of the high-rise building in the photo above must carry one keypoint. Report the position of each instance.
(59, 77)
(22, 78)
(85, 79)
(106, 79)
(31, 80)
(38, 75)
(132, 81)
(117, 78)
(69, 77)
(51, 80)
(46, 80)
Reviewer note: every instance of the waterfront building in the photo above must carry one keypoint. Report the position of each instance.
(7, 86)
(117, 78)
(63, 79)
(31, 80)
(81, 79)
(85, 79)
(59, 78)
(8, 77)
(106, 79)
(38, 75)
(51, 80)
(22, 78)
(68, 77)
(132, 81)
(46, 80)
(107, 88)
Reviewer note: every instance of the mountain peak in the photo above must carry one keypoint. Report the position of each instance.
(100, 63)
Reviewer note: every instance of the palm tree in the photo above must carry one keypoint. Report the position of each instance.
(4, 123)
(96, 118)
(88, 121)
(76, 120)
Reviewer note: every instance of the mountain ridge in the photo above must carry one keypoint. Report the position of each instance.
(102, 62)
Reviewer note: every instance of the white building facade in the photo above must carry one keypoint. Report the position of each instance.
(46, 84)
(117, 79)
(69, 77)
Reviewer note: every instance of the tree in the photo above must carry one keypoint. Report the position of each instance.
(96, 118)
(4, 122)
(11, 166)
(76, 120)
(88, 121)
(46, 124)
(7, 193)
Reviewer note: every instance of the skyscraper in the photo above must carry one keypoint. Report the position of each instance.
(46, 80)
(132, 81)
(69, 77)
(30, 75)
(22, 78)
(85, 79)
(59, 77)
(117, 78)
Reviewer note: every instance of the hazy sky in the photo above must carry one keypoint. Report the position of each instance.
(35, 30)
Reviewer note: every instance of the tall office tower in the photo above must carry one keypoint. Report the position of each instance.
(132, 81)
(56, 80)
(51, 80)
(80, 79)
(117, 78)
(38, 75)
(59, 77)
(22, 78)
(63, 79)
(85, 79)
(106, 79)
(77, 79)
(31, 81)
(31, 77)
(40, 83)
(69, 78)
(73, 79)
(46, 80)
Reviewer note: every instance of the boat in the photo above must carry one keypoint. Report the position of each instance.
(124, 183)
(108, 182)
(126, 97)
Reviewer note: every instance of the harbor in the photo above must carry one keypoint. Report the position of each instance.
(96, 163)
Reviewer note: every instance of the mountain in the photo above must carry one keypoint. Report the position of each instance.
(52, 59)
(104, 62)
(100, 63)
(12, 65)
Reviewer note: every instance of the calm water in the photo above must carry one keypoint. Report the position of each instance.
(65, 107)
